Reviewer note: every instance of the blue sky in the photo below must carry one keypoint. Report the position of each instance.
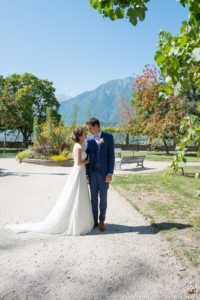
(69, 43)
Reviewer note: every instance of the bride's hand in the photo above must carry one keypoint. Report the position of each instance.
(87, 160)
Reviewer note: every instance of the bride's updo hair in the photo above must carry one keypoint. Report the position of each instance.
(77, 133)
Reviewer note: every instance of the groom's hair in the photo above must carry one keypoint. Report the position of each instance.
(93, 122)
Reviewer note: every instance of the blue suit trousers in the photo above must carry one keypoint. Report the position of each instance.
(98, 190)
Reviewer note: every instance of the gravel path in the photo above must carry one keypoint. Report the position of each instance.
(128, 261)
(149, 166)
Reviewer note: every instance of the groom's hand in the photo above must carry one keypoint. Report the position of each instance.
(108, 178)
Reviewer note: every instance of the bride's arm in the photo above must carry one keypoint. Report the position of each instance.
(78, 158)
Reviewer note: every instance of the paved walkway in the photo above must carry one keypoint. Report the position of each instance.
(149, 166)
(129, 261)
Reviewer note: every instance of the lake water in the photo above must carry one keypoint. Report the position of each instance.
(11, 137)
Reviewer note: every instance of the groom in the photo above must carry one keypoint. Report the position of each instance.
(100, 148)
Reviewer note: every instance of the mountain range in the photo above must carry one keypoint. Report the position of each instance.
(102, 103)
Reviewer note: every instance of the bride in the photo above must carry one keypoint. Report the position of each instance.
(72, 213)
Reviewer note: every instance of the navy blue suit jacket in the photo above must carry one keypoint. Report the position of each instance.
(103, 155)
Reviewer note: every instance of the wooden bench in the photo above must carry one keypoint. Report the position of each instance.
(119, 159)
(134, 159)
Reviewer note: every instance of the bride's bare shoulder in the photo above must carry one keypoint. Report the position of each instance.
(77, 146)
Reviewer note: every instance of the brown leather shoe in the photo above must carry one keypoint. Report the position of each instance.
(102, 226)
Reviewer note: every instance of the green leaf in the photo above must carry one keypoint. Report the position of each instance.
(159, 58)
(119, 13)
(185, 83)
(94, 4)
(132, 15)
(196, 54)
(112, 15)
(177, 89)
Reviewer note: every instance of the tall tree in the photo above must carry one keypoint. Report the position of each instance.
(36, 129)
(179, 60)
(126, 115)
(2, 84)
(10, 115)
(33, 95)
(158, 116)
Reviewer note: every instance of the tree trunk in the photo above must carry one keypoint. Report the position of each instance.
(127, 138)
(166, 146)
(133, 141)
(26, 135)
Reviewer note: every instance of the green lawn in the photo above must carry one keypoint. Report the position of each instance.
(9, 151)
(160, 156)
(172, 206)
(149, 155)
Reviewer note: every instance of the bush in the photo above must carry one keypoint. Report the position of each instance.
(53, 142)
(28, 153)
(63, 156)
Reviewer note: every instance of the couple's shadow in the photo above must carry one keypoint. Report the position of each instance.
(149, 229)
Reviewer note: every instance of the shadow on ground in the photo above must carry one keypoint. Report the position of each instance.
(192, 175)
(136, 169)
(149, 229)
(24, 174)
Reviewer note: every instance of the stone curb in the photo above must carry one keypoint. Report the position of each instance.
(45, 162)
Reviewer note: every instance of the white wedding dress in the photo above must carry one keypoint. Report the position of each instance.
(72, 213)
